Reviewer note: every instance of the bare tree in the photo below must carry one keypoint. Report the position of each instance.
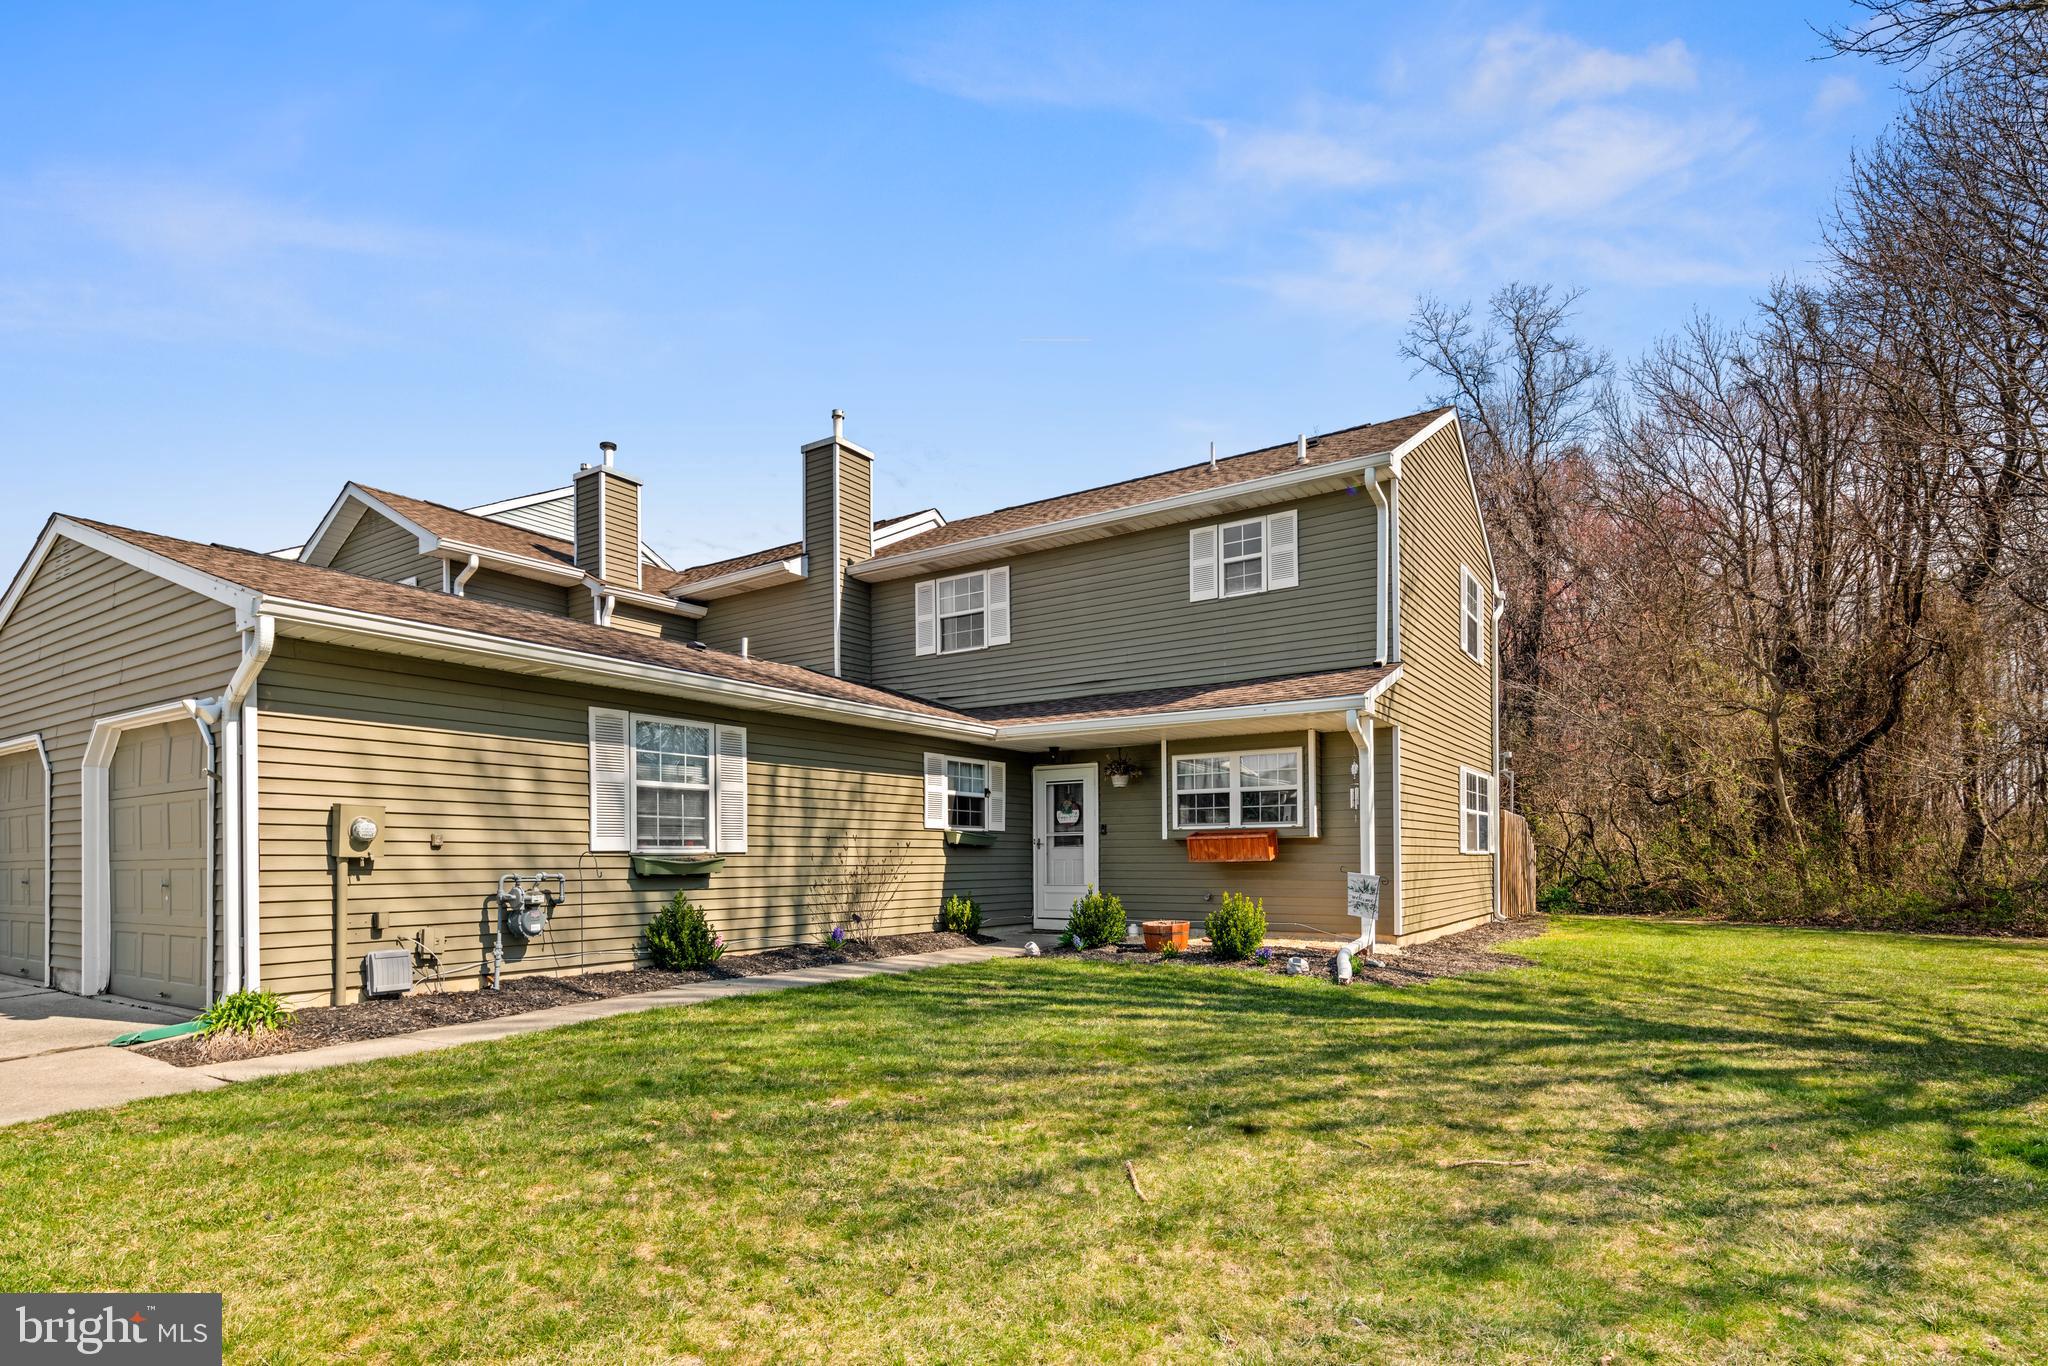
(1529, 392)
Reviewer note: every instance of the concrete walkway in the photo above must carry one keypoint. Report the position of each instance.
(88, 1075)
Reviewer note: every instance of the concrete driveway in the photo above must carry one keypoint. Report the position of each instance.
(54, 1055)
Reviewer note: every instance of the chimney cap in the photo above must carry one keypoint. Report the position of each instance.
(608, 449)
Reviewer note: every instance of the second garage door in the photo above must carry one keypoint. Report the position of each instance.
(156, 817)
(21, 865)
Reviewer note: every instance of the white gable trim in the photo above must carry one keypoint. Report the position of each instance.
(341, 519)
(243, 600)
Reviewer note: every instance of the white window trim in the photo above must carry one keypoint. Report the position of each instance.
(1224, 560)
(1208, 565)
(1471, 591)
(710, 788)
(1237, 822)
(1465, 773)
(994, 581)
(994, 781)
(939, 615)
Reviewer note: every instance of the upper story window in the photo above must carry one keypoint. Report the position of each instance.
(1249, 555)
(964, 612)
(1472, 621)
(1250, 789)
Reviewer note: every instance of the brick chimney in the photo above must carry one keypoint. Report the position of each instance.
(608, 521)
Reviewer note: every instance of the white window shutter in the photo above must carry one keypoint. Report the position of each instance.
(732, 789)
(997, 601)
(1283, 550)
(1202, 576)
(935, 792)
(998, 773)
(611, 782)
(928, 616)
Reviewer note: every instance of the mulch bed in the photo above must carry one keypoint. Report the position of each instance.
(427, 1009)
(1454, 955)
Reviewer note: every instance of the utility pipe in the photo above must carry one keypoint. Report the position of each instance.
(207, 715)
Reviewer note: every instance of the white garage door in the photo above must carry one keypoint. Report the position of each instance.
(21, 866)
(156, 814)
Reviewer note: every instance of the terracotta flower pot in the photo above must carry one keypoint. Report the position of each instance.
(1161, 934)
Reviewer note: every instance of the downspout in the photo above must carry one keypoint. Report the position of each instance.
(258, 640)
(207, 714)
(1393, 561)
(1379, 499)
(1359, 722)
(462, 576)
(1500, 606)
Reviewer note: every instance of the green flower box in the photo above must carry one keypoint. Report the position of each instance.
(646, 866)
(972, 839)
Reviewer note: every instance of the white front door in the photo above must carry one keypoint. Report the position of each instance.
(1065, 820)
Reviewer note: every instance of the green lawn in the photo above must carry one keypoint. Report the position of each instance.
(1747, 1144)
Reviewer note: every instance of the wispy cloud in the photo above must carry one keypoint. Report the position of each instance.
(1835, 93)
(1332, 147)
(1532, 69)
(1022, 56)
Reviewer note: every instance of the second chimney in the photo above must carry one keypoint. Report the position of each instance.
(608, 521)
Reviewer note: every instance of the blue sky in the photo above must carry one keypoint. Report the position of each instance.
(247, 253)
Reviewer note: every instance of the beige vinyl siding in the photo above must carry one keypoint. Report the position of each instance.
(510, 590)
(91, 638)
(588, 527)
(1303, 889)
(856, 507)
(622, 532)
(1444, 701)
(646, 621)
(556, 517)
(379, 548)
(1114, 614)
(498, 767)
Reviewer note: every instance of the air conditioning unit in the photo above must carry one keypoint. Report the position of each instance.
(387, 972)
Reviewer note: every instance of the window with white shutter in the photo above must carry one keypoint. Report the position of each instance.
(928, 617)
(732, 789)
(964, 612)
(962, 794)
(1250, 555)
(1201, 563)
(935, 792)
(611, 782)
(1283, 557)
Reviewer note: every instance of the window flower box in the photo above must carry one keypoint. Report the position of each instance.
(648, 865)
(971, 839)
(1234, 846)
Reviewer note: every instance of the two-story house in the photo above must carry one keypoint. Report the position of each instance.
(1259, 674)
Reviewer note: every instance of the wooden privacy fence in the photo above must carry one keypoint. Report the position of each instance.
(1517, 867)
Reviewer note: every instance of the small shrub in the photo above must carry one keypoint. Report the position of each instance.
(962, 915)
(1097, 919)
(1237, 927)
(1170, 951)
(246, 1012)
(680, 939)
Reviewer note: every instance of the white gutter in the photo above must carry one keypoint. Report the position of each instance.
(740, 580)
(1060, 730)
(898, 566)
(1382, 538)
(463, 576)
(493, 650)
(517, 565)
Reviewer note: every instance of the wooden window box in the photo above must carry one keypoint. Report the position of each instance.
(1234, 846)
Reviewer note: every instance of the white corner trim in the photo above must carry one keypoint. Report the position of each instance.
(95, 921)
(16, 746)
